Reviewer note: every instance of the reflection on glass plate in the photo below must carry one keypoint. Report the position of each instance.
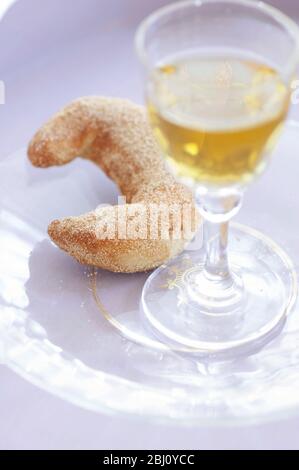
(60, 322)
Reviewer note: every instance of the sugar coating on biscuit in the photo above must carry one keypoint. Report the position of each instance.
(115, 134)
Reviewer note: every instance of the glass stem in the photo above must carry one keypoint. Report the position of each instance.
(217, 210)
(215, 244)
(212, 287)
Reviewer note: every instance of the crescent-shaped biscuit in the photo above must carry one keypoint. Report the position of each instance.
(114, 134)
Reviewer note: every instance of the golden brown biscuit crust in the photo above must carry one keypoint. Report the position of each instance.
(114, 134)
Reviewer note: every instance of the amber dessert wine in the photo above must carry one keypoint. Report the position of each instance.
(218, 77)
(216, 118)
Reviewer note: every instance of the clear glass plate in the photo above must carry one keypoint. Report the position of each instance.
(75, 331)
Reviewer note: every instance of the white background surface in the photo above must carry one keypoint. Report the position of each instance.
(51, 52)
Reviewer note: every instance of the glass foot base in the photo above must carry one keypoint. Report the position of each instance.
(266, 287)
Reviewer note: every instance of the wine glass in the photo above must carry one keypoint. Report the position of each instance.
(218, 78)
